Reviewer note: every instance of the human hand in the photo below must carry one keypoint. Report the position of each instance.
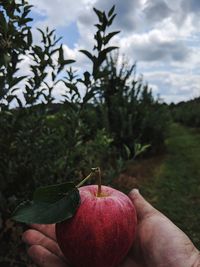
(43, 248)
(158, 243)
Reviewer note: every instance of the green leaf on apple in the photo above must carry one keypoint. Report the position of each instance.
(51, 204)
(52, 193)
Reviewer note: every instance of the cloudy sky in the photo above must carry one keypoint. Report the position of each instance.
(161, 35)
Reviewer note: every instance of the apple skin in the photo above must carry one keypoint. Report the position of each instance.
(102, 230)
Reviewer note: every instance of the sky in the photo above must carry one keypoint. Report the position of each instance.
(162, 36)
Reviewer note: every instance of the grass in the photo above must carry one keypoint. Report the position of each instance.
(172, 182)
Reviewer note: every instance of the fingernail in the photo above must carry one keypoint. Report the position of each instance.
(135, 191)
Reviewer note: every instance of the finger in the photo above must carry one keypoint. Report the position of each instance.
(143, 208)
(44, 258)
(33, 237)
(46, 229)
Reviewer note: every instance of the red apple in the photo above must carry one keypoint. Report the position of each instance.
(102, 230)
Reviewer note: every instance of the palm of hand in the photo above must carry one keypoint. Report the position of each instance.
(158, 242)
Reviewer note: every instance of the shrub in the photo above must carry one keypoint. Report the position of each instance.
(187, 113)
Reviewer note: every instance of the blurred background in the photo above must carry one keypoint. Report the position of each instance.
(115, 86)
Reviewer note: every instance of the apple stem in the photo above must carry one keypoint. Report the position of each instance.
(84, 180)
(99, 182)
(93, 170)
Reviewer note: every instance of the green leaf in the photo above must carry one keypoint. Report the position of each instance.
(109, 36)
(46, 212)
(99, 40)
(38, 51)
(87, 78)
(103, 54)
(53, 76)
(3, 22)
(99, 14)
(111, 11)
(109, 49)
(68, 61)
(88, 54)
(128, 151)
(29, 37)
(99, 27)
(24, 21)
(61, 55)
(139, 149)
(52, 193)
(88, 96)
(16, 80)
(111, 20)
(43, 35)
(63, 62)
(19, 101)
(72, 87)
(105, 22)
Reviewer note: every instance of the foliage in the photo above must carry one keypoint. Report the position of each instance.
(15, 41)
(48, 143)
(132, 114)
(43, 142)
(187, 113)
(50, 204)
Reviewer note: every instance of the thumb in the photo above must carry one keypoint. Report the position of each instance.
(143, 208)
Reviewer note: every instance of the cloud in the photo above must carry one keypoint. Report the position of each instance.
(174, 87)
(156, 45)
(150, 47)
(191, 6)
(156, 10)
(58, 12)
(162, 35)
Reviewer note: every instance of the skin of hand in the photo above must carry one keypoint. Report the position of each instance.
(158, 243)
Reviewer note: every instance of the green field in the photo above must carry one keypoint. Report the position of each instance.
(171, 182)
